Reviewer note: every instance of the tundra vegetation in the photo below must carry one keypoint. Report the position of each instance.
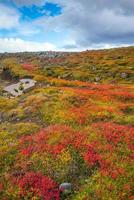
(76, 126)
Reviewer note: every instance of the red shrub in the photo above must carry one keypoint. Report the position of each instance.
(37, 185)
(27, 151)
(1, 187)
(91, 157)
(28, 67)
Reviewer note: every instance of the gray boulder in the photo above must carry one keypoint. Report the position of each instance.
(124, 75)
(97, 79)
(94, 68)
(65, 188)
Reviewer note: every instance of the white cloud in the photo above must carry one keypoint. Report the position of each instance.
(19, 45)
(27, 29)
(87, 24)
(94, 22)
(9, 17)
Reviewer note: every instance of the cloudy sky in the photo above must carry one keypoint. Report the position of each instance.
(71, 25)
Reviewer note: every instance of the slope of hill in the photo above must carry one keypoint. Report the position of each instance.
(104, 66)
(75, 126)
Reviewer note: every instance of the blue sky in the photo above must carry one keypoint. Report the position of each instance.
(65, 25)
(34, 12)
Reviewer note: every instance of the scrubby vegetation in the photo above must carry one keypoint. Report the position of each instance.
(76, 126)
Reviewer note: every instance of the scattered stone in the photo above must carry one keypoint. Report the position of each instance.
(27, 110)
(124, 75)
(110, 74)
(65, 188)
(97, 79)
(94, 68)
(113, 82)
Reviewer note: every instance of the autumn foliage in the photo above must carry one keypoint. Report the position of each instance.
(36, 185)
(69, 129)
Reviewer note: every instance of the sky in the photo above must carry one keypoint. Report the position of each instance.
(65, 25)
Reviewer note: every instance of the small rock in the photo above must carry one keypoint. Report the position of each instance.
(124, 75)
(94, 68)
(13, 116)
(97, 79)
(18, 119)
(27, 110)
(65, 188)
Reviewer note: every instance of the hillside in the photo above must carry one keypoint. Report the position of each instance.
(75, 126)
(104, 66)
